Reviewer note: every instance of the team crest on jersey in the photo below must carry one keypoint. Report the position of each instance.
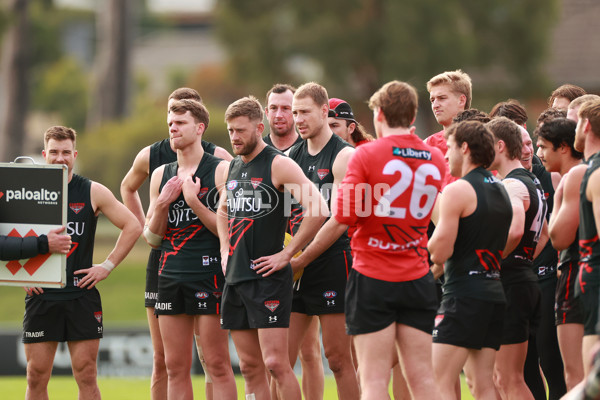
(98, 316)
(217, 294)
(201, 295)
(438, 319)
(232, 184)
(322, 173)
(76, 207)
(205, 260)
(272, 305)
(202, 192)
(255, 182)
(329, 294)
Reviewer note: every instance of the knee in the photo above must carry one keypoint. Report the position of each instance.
(338, 361)
(37, 377)
(275, 366)
(85, 373)
(310, 354)
(251, 369)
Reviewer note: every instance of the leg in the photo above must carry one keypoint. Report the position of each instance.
(374, 352)
(547, 343)
(84, 354)
(313, 378)
(448, 361)
(508, 372)
(399, 385)
(251, 362)
(40, 357)
(587, 344)
(208, 386)
(338, 351)
(482, 362)
(415, 355)
(158, 382)
(216, 354)
(570, 337)
(274, 346)
(532, 373)
(177, 341)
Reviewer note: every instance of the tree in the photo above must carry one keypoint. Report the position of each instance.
(361, 44)
(112, 88)
(15, 74)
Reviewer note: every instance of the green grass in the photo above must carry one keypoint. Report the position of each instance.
(123, 305)
(64, 388)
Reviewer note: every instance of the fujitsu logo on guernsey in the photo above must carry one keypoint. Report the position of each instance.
(42, 196)
(407, 152)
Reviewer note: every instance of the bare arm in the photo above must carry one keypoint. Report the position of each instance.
(564, 221)
(191, 188)
(457, 200)
(135, 177)
(222, 153)
(286, 173)
(223, 223)
(104, 201)
(515, 189)
(159, 202)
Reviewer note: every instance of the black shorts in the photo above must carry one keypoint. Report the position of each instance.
(259, 303)
(63, 320)
(589, 305)
(322, 287)
(567, 307)
(151, 293)
(201, 297)
(469, 323)
(373, 304)
(523, 311)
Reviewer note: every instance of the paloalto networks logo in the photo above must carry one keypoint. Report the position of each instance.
(41, 196)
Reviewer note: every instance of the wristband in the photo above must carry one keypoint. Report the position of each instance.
(152, 238)
(108, 265)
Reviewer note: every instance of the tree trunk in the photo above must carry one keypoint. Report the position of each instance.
(112, 84)
(15, 75)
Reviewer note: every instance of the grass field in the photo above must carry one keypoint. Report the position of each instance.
(123, 305)
(64, 388)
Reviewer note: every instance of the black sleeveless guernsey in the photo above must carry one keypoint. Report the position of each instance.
(517, 267)
(268, 141)
(255, 213)
(473, 271)
(81, 225)
(545, 265)
(319, 170)
(589, 246)
(190, 251)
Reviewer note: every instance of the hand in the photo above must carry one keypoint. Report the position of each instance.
(224, 258)
(33, 290)
(58, 243)
(297, 267)
(93, 275)
(170, 191)
(190, 188)
(268, 265)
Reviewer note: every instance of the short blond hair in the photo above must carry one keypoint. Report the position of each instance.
(458, 81)
(316, 92)
(590, 110)
(248, 106)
